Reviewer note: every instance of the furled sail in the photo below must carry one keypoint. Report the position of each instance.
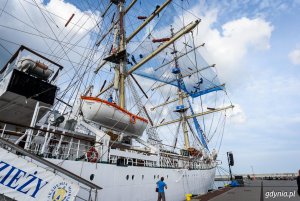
(199, 76)
(198, 81)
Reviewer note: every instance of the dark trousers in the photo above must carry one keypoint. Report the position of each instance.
(161, 197)
(299, 191)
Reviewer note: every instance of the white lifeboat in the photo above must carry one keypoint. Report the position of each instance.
(111, 116)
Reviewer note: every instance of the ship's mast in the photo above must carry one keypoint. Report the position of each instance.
(181, 97)
(122, 47)
(119, 55)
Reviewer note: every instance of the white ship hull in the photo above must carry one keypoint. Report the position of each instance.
(141, 182)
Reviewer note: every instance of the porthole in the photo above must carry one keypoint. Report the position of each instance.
(92, 176)
(157, 176)
(142, 177)
(167, 176)
(132, 177)
(127, 177)
(154, 176)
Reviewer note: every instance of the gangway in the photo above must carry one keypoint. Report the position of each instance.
(40, 162)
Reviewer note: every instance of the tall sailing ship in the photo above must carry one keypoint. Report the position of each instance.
(142, 104)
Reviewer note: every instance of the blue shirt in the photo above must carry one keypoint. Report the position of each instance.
(161, 186)
(110, 99)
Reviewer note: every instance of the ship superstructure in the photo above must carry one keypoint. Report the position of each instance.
(111, 140)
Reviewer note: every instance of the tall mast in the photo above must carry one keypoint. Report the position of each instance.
(186, 29)
(122, 47)
(119, 55)
(181, 96)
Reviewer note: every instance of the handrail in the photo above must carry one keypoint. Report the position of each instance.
(78, 137)
(51, 165)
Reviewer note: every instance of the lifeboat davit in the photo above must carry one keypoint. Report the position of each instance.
(111, 116)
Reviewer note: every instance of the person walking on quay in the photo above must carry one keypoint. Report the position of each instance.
(161, 185)
(298, 182)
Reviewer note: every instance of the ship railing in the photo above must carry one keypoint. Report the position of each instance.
(60, 144)
(51, 143)
(59, 147)
(172, 160)
(132, 158)
(168, 162)
(123, 158)
(69, 148)
(87, 189)
(86, 194)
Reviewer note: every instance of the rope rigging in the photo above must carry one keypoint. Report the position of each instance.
(61, 43)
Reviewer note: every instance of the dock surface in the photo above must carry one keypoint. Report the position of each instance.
(266, 190)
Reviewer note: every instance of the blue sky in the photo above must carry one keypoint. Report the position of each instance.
(268, 93)
(256, 46)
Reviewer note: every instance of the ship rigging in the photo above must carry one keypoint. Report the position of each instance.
(140, 96)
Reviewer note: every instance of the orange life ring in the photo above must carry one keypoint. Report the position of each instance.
(92, 155)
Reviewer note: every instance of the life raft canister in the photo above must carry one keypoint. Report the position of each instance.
(92, 155)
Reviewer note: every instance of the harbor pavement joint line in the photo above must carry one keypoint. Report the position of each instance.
(262, 191)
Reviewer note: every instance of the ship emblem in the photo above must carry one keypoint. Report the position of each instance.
(60, 192)
(59, 195)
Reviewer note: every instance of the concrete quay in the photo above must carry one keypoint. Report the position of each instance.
(270, 176)
(258, 190)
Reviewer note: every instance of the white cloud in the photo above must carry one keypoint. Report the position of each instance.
(26, 16)
(229, 46)
(40, 27)
(294, 56)
(237, 114)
